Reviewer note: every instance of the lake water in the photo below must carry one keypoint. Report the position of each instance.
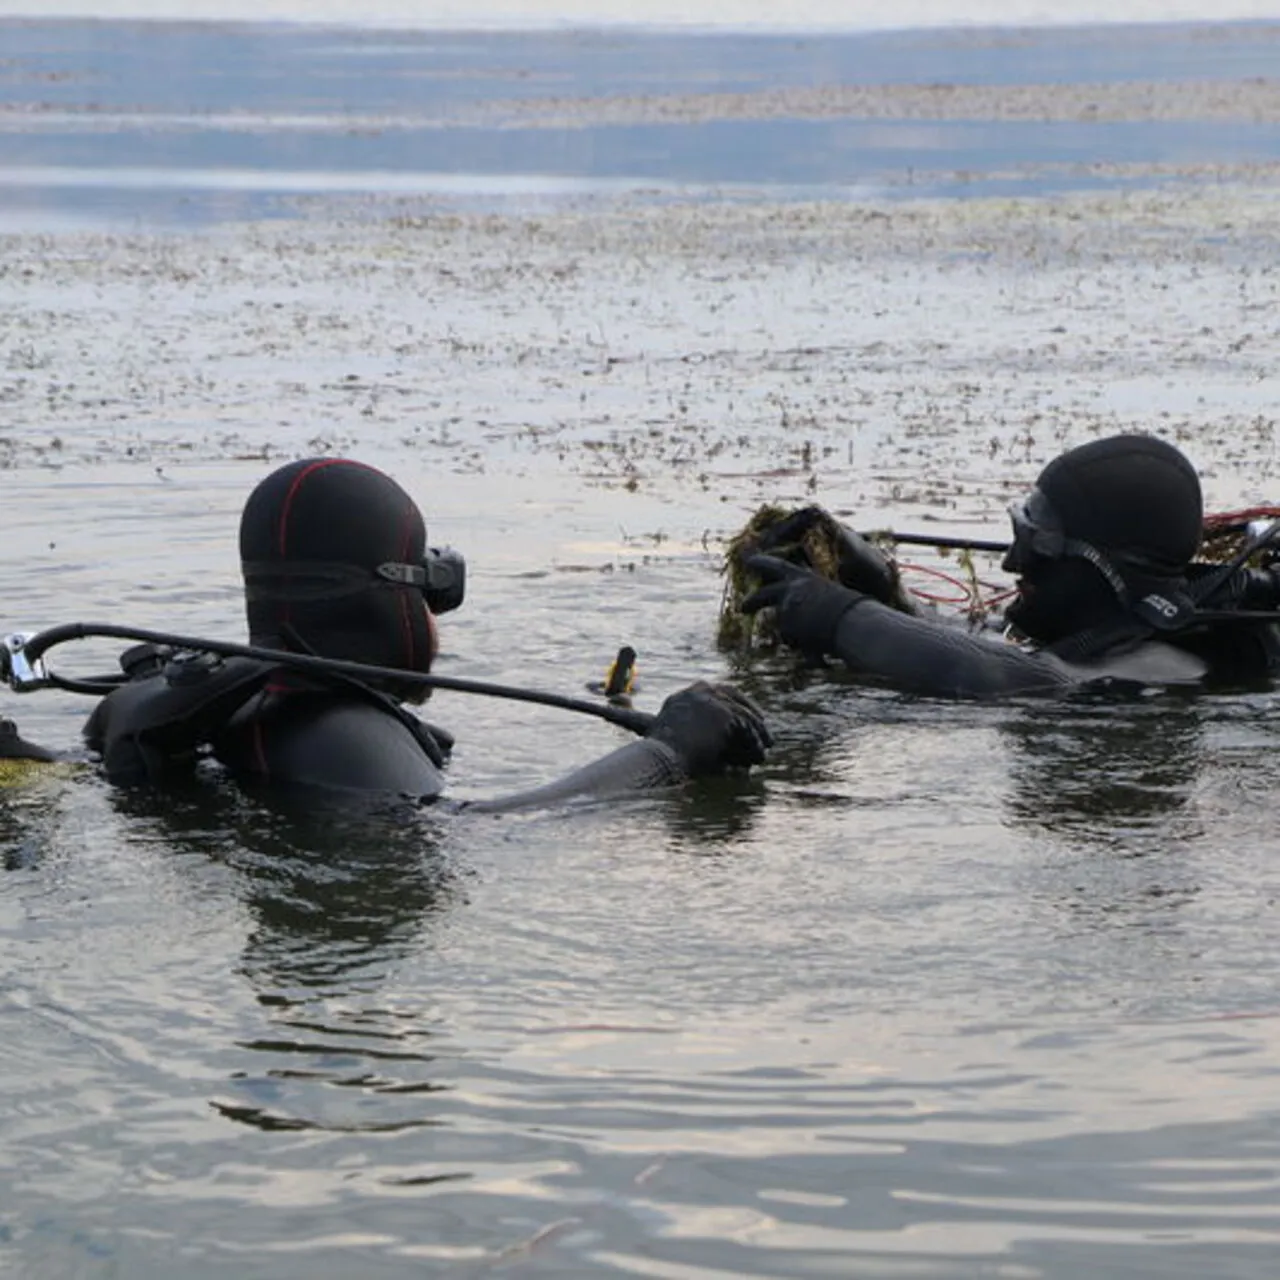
(941, 991)
(735, 15)
(189, 123)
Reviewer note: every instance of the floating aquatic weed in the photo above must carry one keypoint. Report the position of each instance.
(1227, 533)
(967, 595)
(818, 548)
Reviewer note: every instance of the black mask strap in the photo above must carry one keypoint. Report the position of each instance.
(301, 582)
(441, 578)
(1087, 551)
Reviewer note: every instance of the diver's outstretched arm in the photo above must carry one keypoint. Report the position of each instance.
(704, 729)
(823, 618)
(930, 657)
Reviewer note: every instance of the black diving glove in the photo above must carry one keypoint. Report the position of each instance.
(809, 608)
(712, 727)
(860, 564)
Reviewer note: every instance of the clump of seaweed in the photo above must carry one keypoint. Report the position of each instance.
(817, 547)
(1226, 535)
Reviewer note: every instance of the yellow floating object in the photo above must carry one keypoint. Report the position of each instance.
(620, 679)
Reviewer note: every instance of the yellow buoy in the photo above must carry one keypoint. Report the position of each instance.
(620, 679)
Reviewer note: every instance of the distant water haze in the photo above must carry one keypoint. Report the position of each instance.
(847, 15)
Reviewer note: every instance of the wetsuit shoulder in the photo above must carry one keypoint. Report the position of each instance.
(327, 740)
(1236, 652)
(150, 729)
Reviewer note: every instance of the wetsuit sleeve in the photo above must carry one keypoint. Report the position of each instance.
(929, 657)
(706, 728)
(642, 765)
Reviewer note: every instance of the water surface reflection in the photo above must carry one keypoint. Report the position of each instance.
(337, 898)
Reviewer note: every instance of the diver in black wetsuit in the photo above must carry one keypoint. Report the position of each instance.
(335, 561)
(1108, 591)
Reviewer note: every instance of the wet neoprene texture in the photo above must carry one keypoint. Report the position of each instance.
(1129, 495)
(330, 741)
(637, 766)
(923, 656)
(1065, 597)
(311, 538)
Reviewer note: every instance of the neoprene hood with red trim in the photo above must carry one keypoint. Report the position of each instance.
(312, 536)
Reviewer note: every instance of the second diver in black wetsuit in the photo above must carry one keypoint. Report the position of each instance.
(336, 563)
(1108, 591)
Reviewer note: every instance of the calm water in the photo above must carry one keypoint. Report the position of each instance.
(186, 123)
(941, 991)
(822, 15)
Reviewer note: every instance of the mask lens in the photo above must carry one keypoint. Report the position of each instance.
(1037, 533)
(441, 577)
(1019, 558)
(445, 579)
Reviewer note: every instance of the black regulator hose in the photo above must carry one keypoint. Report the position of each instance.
(947, 542)
(940, 540)
(639, 722)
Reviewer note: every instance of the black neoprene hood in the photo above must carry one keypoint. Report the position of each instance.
(1133, 496)
(312, 536)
